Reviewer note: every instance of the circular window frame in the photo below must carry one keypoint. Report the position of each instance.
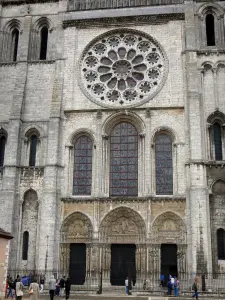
(106, 36)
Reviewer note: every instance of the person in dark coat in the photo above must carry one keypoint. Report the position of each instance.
(67, 288)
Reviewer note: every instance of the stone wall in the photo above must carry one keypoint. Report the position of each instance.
(49, 96)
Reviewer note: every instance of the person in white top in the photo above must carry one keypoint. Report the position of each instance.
(127, 286)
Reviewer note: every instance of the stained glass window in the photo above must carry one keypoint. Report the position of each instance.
(217, 141)
(82, 166)
(2, 150)
(124, 160)
(221, 243)
(163, 165)
(33, 150)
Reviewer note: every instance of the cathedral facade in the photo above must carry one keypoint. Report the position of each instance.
(112, 136)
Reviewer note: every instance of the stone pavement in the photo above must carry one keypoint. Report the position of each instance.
(114, 296)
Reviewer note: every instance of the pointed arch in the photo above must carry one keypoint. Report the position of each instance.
(119, 117)
(168, 227)
(122, 224)
(39, 42)
(216, 122)
(10, 42)
(76, 228)
(29, 228)
(33, 142)
(211, 25)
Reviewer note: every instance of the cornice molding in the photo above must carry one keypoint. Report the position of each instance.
(120, 21)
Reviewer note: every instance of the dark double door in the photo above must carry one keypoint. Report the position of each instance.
(169, 260)
(123, 263)
(77, 263)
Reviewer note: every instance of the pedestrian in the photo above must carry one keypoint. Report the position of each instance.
(62, 286)
(195, 289)
(19, 289)
(14, 284)
(6, 287)
(176, 287)
(170, 287)
(162, 278)
(57, 288)
(34, 290)
(52, 284)
(67, 288)
(42, 282)
(10, 285)
(127, 286)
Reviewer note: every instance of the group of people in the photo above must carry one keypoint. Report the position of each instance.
(16, 288)
(59, 287)
(173, 285)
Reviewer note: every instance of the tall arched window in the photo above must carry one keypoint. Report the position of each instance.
(15, 41)
(163, 164)
(25, 245)
(33, 150)
(124, 160)
(210, 29)
(217, 141)
(43, 42)
(221, 243)
(2, 149)
(82, 166)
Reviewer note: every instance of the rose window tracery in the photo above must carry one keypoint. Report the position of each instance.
(124, 68)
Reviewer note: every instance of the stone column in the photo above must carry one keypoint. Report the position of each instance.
(50, 208)
(9, 197)
(141, 262)
(106, 261)
(154, 264)
(199, 240)
(94, 267)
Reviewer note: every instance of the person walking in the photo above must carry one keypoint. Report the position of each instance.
(62, 286)
(10, 285)
(162, 278)
(67, 288)
(195, 289)
(127, 286)
(57, 288)
(34, 290)
(176, 287)
(42, 282)
(170, 287)
(19, 289)
(52, 284)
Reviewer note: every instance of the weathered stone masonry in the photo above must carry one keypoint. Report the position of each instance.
(156, 67)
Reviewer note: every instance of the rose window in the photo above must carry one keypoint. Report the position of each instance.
(125, 68)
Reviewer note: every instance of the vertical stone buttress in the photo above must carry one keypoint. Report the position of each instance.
(9, 195)
(48, 252)
(199, 241)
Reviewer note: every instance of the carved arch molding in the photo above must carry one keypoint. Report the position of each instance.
(77, 228)
(123, 225)
(168, 228)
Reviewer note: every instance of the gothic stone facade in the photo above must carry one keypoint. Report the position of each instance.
(75, 77)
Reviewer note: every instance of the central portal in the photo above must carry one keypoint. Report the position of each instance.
(123, 263)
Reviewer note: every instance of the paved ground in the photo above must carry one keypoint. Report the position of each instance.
(111, 296)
